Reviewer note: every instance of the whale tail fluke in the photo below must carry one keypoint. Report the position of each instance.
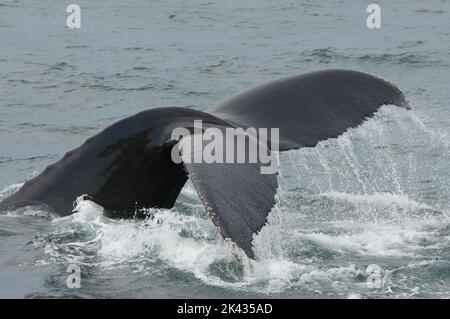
(128, 165)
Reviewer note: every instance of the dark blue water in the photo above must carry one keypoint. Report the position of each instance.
(379, 195)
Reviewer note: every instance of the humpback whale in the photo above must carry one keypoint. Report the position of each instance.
(128, 165)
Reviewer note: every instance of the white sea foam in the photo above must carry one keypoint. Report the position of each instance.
(161, 237)
(190, 243)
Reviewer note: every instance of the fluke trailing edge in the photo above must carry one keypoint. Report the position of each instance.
(128, 165)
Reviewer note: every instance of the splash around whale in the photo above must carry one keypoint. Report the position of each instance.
(129, 165)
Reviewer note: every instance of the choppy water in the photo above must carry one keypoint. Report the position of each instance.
(379, 195)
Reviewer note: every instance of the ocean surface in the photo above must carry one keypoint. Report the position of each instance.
(366, 215)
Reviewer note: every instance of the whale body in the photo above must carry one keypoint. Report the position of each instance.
(128, 165)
